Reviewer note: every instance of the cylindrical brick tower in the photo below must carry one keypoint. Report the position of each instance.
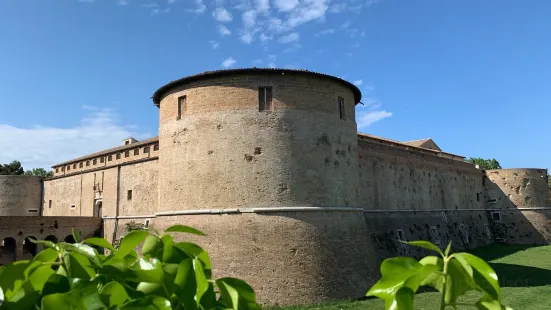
(281, 147)
(520, 206)
(20, 195)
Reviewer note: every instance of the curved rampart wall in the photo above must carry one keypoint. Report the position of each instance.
(519, 204)
(225, 154)
(20, 195)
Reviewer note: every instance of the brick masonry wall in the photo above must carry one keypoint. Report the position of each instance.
(19, 194)
(224, 153)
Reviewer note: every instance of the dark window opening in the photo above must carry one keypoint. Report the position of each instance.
(73, 207)
(74, 166)
(62, 168)
(496, 216)
(264, 98)
(101, 160)
(342, 110)
(80, 165)
(137, 152)
(401, 235)
(181, 106)
(126, 142)
(87, 163)
(95, 161)
(146, 149)
(156, 147)
(29, 247)
(129, 195)
(110, 158)
(56, 169)
(126, 154)
(69, 168)
(118, 156)
(49, 204)
(146, 224)
(477, 196)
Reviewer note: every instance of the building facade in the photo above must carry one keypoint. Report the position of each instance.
(269, 164)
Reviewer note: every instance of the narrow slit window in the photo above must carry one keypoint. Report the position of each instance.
(181, 106)
(477, 196)
(49, 204)
(265, 98)
(342, 110)
(129, 195)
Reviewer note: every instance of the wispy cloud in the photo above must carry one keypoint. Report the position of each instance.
(291, 37)
(370, 113)
(200, 7)
(214, 44)
(286, 5)
(325, 32)
(228, 62)
(223, 30)
(123, 2)
(42, 146)
(358, 82)
(222, 15)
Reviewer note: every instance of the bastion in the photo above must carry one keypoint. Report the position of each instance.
(20, 195)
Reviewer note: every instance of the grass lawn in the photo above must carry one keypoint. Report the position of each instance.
(524, 274)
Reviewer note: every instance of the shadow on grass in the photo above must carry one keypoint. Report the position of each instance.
(499, 250)
(521, 276)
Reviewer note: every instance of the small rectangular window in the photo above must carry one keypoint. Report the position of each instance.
(68, 167)
(127, 142)
(63, 168)
(118, 156)
(342, 110)
(110, 158)
(74, 166)
(146, 149)
(80, 165)
(146, 224)
(95, 161)
(126, 154)
(32, 210)
(156, 147)
(477, 196)
(496, 216)
(87, 163)
(181, 106)
(49, 204)
(101, 159)
(73, 207)
(129, 195)
(56, 169)
(264, 98)
(137, 152)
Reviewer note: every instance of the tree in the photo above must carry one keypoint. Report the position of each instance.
(39, 172)
(166, 275)
(486, 164)
(13, 168)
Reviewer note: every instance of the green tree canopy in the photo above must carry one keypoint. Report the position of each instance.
(486, 164)
(40, 172)
(13, 168)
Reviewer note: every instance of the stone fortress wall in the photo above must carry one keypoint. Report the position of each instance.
(292, 198)
(20, 195)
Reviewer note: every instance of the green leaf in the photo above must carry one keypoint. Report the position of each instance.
(45, 243)
(75, 235)
(113, 294)
(148, 303)
(230, 296)
(486, 302)
(422, 277)
(56, 284)
(184, 229)
(46, 256)
(194, 251)
(404, 299)
(426, 245)
(99, 242)
(484, 276)
(185, 284)
(458, 282)
(448, 248)
(84, 250)
(236, 293)
(78, 266)
(395, 271)
(129, 242)
(29, 293)
(12, 277)
(153, 246)
(147, 271)
(200, 279)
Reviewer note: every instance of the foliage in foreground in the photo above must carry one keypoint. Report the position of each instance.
(169, 275)
(452, 275)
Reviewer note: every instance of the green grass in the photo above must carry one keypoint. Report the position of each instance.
(524, 274)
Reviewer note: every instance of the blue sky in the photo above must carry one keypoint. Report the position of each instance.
(77, 76)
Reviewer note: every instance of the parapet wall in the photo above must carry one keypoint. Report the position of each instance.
(20, 195)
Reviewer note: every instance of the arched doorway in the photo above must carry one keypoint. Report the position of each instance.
(69, 239)
(29, 247)
(7, 250)
(51, 238)
(97, 208)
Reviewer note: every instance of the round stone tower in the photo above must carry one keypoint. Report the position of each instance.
(20, 195)
(523, 188)
(265, 162)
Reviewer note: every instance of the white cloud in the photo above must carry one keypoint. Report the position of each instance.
(325, 32)
(271, 61)
(41, 147)
(292, 37)
(286, 5)
(262, 5)
(249, 18)
(306, 11)
(123, 2)
(228, 62)
(222, 15)
(223, 30)
(214, 44)
(338, 7)
(370, 112)
(200, 7)
(247, 38)
(358, 82)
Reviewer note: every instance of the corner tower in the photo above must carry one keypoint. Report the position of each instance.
(251, 138)
(264, 161)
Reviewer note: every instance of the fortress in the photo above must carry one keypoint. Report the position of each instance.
(269, 164)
